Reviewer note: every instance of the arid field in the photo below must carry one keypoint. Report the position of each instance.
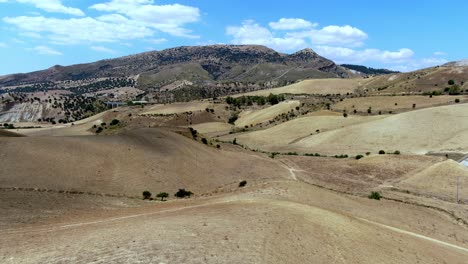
(365, 169)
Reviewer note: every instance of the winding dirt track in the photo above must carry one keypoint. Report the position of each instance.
(107, 220)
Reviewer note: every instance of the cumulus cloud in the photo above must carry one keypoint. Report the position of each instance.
(291, 24)
(122, 20)
(82, 30)
(334, 35)
(44, 50)
(52, 6)
(102, 49)
(166, 18)
(252, 33)
(347, 55)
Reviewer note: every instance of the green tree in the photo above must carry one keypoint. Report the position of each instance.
(242, 183)
(375, 196)
(454, 90)
(114, 122)
(182, 193)
(146, 195)
(162, 195)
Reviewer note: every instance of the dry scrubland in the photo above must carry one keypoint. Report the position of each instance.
(395, 103)
(78, 128)
(213, 128)
(425, 80)
(439, 179)
(126, 164)
(254, 117)
(177, 108)
(317, 86)
(75, 197)
(278, 222)
(435, 129)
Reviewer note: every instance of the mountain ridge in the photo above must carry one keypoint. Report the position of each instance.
(221, 62)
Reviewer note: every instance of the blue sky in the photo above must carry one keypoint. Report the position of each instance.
(401, 35)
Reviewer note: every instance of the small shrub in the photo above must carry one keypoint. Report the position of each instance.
(204, 141)
(242, 184)
(345, 115)
(457, 100)
(234, 141)
(182, 193)
(218, 146)
(233, 119)
(397, 152)
(162, 195)
(99, 130)
(146, 195)
(368, 153)
(375, 196)
(451, 82)
(358, 157)
(114, 122)
(381, 152)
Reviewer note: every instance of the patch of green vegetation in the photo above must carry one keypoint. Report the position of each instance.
(259, 100)
(242, 184)
(182, 193)
(375, 196)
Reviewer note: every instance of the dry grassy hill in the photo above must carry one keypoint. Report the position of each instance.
(280, 137)
(425, 80)
(395, 103)
(6, 133)
(315, 86)
(439, 180)
(127, 164)
(437, 129)
(278, 222)
(176, 108)
(254, 117)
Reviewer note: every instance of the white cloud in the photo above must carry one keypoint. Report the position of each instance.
(157, 41)
(3, 45)
(347, 55)
(440, 53)
(170, 19)
(102, 49)
(333, 35)
(52, 6)
(291, 24)
(109, 28)
(252, 33)
(44, 50)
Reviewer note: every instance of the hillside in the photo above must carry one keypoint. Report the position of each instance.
(215, 64)
(127, 164)
(436, 129)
